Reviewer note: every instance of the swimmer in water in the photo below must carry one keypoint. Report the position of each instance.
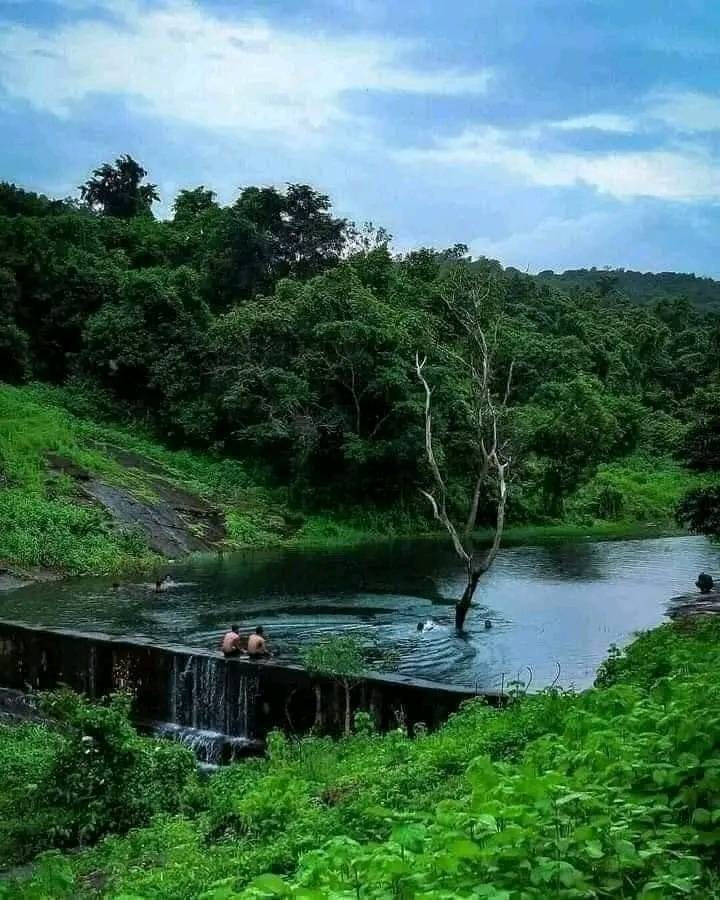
(162, 584)
(488, 624)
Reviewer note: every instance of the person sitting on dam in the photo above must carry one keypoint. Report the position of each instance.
(231, 644)
(257, 647)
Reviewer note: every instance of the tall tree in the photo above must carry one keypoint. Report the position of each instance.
(573, 426)
(699, 509)
(702, 441)
(117, 190)
(191, 205)
(473, 311)
(303, 237)
(14, 360)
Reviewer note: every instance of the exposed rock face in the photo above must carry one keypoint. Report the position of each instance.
(696, 604)
(171, 529)
(174, 521)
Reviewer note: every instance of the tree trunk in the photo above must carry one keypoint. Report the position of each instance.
(463, 605)
(317, 726)
(348, 722)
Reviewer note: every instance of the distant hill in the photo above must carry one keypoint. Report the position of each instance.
(641, 287)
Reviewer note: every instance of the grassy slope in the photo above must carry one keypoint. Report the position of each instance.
(43, 524)
(612, 792)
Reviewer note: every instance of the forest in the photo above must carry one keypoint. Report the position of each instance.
(271, 332)
(288, 366)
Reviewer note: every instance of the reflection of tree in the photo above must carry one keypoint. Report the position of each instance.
(584, 561)
(405, 568)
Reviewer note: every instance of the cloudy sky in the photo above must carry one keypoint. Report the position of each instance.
(545, 133)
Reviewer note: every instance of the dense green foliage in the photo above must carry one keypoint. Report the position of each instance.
(273, 332)
(87, 775)
(612, 792)
(699, 509)
(641, 287)
(45, 522)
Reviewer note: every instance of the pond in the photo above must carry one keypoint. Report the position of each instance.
(553, 608)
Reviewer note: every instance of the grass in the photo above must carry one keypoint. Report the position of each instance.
(44, 519)
(46, 523)
(636, 489)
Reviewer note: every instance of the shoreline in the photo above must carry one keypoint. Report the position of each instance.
(14, 576)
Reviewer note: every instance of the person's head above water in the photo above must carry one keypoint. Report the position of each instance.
(235, 628)
(259, 631)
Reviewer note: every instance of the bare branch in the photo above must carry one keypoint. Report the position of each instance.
(508, 384)
(485, 408)
(438, 505)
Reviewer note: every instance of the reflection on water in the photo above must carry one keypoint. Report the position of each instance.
(555, 604)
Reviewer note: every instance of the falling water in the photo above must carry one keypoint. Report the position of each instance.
(210, 747)
(207, 709)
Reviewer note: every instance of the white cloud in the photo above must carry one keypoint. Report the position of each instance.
(610, 122)
(637, 236)
(177, 61)
(559, 243)
(686, 111)
(669, 174)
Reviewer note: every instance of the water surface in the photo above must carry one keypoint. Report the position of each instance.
(557, 605)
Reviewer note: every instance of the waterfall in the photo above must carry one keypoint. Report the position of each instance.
(208, 708)
(210, 747)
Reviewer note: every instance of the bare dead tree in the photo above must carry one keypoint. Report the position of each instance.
(490, 461)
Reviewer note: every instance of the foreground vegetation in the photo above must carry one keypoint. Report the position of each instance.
(613, 792)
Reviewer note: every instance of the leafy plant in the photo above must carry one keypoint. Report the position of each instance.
(343, 658)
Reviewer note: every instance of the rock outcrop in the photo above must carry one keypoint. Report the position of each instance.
(695, 604)
(173, 520)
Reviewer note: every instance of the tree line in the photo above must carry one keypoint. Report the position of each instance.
(272, 329)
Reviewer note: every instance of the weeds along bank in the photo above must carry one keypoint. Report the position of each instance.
(47, 519)
(610, 793)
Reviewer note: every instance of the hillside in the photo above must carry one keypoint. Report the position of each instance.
(641, 287)
(81, 497)
(273, 351)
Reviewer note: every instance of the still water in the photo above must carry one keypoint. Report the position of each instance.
(554, 606)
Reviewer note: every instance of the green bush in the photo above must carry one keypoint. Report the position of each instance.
(635, 489)
(93, 776)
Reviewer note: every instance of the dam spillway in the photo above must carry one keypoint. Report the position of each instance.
(222, 707)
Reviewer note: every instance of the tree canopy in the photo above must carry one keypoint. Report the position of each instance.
(276, 330)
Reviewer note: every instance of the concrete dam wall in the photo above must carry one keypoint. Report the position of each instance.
(221, 707)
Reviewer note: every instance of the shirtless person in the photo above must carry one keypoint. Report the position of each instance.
(162, 584)
(230, 644)
(257, 648)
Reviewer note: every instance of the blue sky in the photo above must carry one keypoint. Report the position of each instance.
(545, 133)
